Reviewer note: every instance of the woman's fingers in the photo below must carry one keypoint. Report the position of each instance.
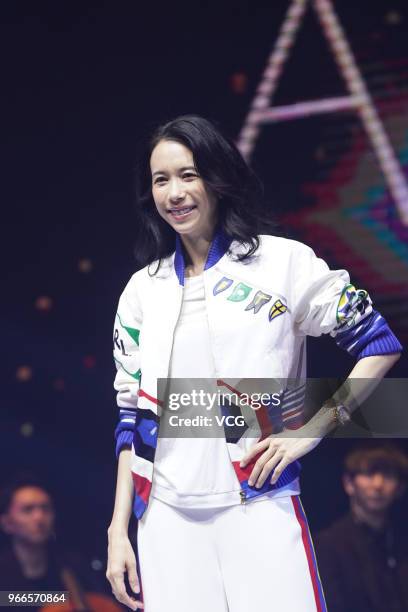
(279, 453)
(134, 582)
(255, 450)
(121, 559)
(132, 576)
(280, 467)
(116, 579)
(119, 591)
(268, 467)
(261, 465)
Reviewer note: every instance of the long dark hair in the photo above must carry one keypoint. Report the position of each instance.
(239, 191)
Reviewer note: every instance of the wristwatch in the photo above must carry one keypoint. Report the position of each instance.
(341, 414)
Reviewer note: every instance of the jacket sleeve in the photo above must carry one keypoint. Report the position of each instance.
(126, 354)
(325, 302)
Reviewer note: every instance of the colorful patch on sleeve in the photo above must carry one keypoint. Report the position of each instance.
(278, 308)
(222, 285)
(240, 293)
(133, 333)
(125, 346)
(148, 430)
(354, 305)
(136, 375)
(258, 301)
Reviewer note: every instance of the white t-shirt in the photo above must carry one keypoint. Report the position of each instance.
(193, 471)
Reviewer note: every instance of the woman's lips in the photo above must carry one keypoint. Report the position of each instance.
(182, 212)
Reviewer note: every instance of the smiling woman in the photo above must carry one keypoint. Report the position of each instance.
(188, 163)
(180, 194)
(221, 525)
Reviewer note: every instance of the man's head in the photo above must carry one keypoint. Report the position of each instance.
(375, 476)
(27, 512)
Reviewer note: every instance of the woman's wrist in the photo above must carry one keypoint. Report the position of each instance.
(322, 423)
(117, 528)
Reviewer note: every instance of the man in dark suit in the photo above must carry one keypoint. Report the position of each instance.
(363, 556)
(31, 561)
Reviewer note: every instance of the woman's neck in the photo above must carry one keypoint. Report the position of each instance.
(196, 250)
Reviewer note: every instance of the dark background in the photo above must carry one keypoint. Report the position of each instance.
(81, 85)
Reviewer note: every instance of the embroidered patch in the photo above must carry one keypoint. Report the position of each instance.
(354, 305)
(278, 308)
(136, 375)
(222, 285)
(240, 293)
(258, 301)
(148, 431)
(124, 353)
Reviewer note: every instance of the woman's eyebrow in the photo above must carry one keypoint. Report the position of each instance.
(180, 170)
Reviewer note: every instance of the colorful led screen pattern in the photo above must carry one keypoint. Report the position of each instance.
(353, 219)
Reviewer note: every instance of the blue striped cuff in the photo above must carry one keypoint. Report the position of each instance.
(371, 336)
(123, 440)
(385, 344)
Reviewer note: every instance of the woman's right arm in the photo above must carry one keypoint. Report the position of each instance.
(121, 557)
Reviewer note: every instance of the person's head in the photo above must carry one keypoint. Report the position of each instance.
(27, 512)
(375, 476)
(191, 179)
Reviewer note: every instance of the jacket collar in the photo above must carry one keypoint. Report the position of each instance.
(219, 246)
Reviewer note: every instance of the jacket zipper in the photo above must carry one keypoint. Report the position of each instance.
(174, 331)
(242, 493)
(208, 327)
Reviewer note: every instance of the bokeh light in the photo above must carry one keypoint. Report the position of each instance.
(85, 266)
(43, 303)
(27, 430)
(24, 373)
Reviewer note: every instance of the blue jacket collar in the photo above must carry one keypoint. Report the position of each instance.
(219, 246)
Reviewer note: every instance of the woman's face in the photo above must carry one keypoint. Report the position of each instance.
(180, 194)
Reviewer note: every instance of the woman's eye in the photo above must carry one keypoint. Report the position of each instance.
(189, 175)
(159, 180)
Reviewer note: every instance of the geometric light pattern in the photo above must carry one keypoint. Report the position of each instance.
(358, 98)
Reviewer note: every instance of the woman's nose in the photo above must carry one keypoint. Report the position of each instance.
(176, 192)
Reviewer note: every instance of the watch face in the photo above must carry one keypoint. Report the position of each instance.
(343, 413)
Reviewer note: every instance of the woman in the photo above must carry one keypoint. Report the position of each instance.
(220, 523)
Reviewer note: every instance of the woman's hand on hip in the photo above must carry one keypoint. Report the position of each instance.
(278, 452)
(121, 558)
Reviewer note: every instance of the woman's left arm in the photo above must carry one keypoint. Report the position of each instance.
(280, 451)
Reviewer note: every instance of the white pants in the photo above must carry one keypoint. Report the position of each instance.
(254, 557)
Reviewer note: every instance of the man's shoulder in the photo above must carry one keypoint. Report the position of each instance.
(338, 533)
(10, 571)
(6, 556)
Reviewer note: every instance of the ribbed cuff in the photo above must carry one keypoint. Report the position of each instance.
(384, 344)
(125, 438)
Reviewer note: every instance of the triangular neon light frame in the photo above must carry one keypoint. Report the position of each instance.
(358, 97)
